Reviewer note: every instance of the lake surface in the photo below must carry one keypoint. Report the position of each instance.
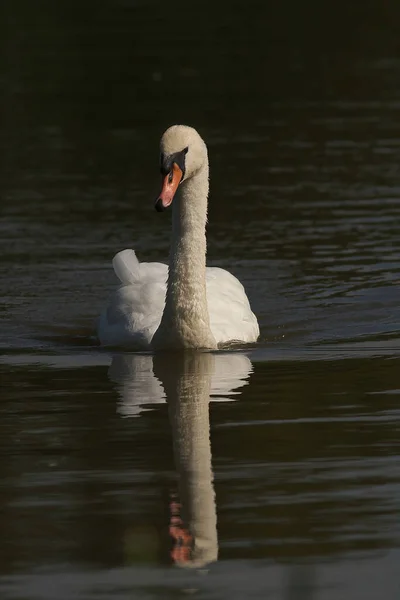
(270, 471)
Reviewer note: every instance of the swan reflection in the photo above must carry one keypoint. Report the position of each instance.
(140, 389)
(187, 381)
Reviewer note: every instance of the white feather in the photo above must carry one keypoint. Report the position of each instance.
(126, 267)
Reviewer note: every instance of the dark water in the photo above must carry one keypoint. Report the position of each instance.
(291, 473)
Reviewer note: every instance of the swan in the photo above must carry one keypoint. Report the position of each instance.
(185, 304)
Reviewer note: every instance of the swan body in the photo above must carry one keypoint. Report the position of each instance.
(136, 307)
(184, 304)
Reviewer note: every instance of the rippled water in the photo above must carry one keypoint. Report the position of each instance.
(281, 460)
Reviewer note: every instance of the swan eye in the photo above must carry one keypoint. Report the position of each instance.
(186, 150)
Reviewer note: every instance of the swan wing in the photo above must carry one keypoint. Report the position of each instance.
(135, 308)
(231, 317)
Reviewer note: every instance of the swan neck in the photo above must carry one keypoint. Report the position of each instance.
(186, 321)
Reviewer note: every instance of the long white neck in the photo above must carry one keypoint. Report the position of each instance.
(185, 322)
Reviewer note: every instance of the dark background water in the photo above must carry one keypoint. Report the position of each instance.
(299, 104)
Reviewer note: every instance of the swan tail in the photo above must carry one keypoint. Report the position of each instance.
(126, 267)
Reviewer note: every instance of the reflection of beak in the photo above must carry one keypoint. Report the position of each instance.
(182, 539)
(169, 187)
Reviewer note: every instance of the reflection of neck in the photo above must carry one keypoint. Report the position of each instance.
(188, 399)
(185, 322)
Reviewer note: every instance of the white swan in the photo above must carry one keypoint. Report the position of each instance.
(185, 305)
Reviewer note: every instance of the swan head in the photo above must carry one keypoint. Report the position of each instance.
(183, 153)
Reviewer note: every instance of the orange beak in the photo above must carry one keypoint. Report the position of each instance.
(169, 186)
